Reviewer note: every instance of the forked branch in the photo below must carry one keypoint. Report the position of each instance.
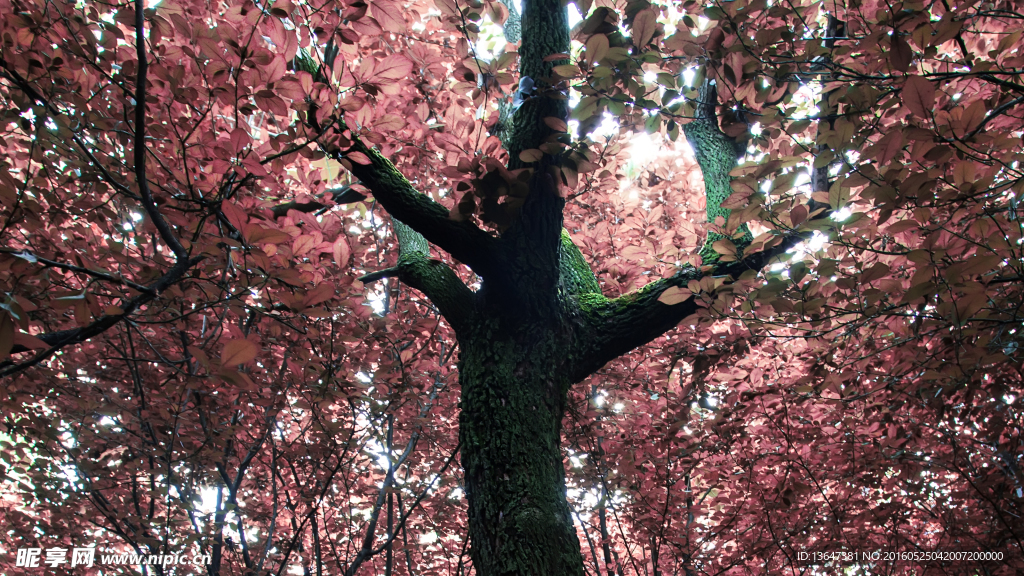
(616, 326)
(453, 299)
(462, 239)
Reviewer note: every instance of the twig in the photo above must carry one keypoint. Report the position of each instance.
(78, 269)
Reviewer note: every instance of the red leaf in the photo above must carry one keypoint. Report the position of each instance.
(919, 96)
(391, 69)
(901, 54)
(305, 243)
(389, 123)
(238, 352)
(239, 139)
(358, 158)
(390, 15)
(322, 293)
(235, 215)
(341, 252)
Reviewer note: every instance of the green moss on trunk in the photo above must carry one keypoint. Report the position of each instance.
(513, 399)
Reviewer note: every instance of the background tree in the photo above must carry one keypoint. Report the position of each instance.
(330, 288)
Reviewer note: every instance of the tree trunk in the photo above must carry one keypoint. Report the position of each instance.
(539, 322)
(513, 398)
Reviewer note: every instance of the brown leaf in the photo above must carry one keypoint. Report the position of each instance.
(645, 24)
(29, 341)
(566, 70)
(556, 124)
(675, 295)
(6, 335)
(724, 247)
(389, 123)
(531, 155)
(874, 273)
(597, 48)
(238, 352)
(900, 54)
(919, 96)
(798, 214)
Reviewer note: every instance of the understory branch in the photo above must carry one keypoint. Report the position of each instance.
(139, 144)
(62, 338)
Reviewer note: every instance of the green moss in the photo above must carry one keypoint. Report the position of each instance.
(717, 154)
(576, 275)
(513, 399)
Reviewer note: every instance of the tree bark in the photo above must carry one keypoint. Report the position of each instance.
(513, 398)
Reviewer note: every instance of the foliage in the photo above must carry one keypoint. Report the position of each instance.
(196, 356)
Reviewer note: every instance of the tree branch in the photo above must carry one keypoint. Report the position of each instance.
(140, 137)
(62, 338)
(25, 254)
(342, 195)
(434, 278)
(615, 326)
(576, 276)
(819, 175)
(18, 80)
(717, 154)
(463, 240)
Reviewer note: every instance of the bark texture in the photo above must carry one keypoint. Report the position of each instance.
(513, 399)
(717, 154)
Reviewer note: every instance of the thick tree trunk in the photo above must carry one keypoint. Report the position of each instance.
(513, 398)
(539, 323)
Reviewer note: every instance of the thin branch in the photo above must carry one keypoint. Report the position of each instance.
(25, 254)
(60, 339)
(13, 76)
(140, 137)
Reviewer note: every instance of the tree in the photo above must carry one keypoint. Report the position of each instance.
(340, 287)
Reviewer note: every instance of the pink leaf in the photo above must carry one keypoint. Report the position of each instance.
(391, 69)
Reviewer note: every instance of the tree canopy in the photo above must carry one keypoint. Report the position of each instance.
(460, 286)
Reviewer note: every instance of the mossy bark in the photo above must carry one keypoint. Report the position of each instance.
(513, 399)
(717, 154)
(545, 25)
